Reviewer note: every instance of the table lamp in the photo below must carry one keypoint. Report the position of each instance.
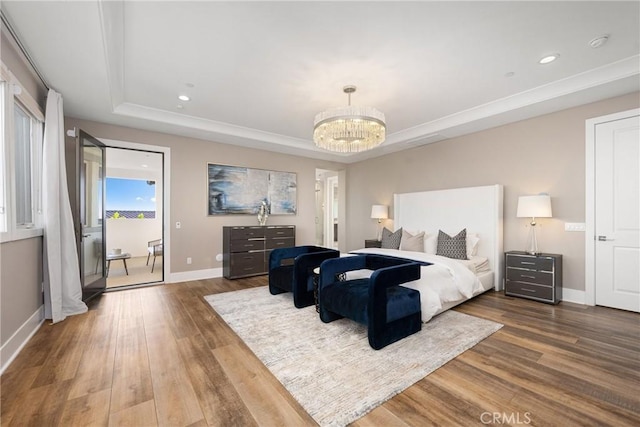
(379, 212)
(533, 207)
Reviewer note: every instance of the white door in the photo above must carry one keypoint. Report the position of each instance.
(617, 214)
(331, 212)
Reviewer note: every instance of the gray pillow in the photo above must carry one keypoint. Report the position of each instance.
(391, 240)
(452, 247)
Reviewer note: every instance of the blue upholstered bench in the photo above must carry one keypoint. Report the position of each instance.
(291, 270)
(390, 311)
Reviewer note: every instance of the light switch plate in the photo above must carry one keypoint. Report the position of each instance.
(575, 226)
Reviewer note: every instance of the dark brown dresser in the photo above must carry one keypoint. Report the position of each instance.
(245, 250)
(537, 277)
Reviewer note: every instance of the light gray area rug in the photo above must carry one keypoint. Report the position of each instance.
(329, 368)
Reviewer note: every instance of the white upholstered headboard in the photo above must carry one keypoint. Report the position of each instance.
(478, 209)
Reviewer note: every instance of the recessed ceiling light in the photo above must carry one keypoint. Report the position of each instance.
(183, 98)
(549, 58)
(145, 166)
(599, 41)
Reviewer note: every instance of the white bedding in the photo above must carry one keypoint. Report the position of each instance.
(444, 283)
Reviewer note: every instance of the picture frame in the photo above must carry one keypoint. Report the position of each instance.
(237, 190)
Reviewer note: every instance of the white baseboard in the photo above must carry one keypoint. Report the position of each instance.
(20, 338)
(186, 276)
(572, 295)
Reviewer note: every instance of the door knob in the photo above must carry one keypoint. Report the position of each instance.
(603, 239)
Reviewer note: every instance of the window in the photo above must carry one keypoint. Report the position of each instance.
(3, 202)
(21, 122)
(22, 151)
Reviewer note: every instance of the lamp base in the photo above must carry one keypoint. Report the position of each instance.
(532, 243)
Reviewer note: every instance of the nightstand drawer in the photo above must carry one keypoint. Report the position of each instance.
(528, 290)
(372, 244)
(530, 262)
(531, 276)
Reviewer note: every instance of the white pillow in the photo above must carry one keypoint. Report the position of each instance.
(430, 243)
(472, 244)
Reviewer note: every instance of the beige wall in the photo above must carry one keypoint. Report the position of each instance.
(21, 279)
(20, 261)
(543, 154)
(200, 236)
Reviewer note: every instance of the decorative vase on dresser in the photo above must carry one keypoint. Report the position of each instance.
(246, 249)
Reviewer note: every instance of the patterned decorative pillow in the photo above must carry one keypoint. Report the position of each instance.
(391, 240)
(412, 242)
(452, 247)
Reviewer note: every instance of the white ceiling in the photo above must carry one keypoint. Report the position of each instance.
(257, 73)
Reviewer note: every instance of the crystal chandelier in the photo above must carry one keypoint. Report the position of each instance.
(349, 129)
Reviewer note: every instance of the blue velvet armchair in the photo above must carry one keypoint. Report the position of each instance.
(291, 270)
(390, 312)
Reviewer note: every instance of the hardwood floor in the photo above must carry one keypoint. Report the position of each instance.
(162, 356)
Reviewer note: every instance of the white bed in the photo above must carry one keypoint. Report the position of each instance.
(447, 282)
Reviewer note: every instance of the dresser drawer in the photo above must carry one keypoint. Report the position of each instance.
(531, 276)
(280, 232)
(528, 290)
(280, 243)
(241, 233)
(246, 245)
(532, 263)
(247, 263)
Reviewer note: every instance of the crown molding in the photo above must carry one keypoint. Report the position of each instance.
(473, 119)
(589, 79)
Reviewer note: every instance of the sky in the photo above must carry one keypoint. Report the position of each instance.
(130, 195)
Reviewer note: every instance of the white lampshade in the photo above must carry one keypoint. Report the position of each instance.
(379, 212)
(534, 206)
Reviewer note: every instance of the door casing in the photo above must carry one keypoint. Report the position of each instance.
(166, 199)
(590, 167)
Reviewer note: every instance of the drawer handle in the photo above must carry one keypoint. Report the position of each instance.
(527, 263)
(529, 290)
(248, 268)
(528, 277)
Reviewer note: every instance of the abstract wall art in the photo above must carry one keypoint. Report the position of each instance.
(240, 190)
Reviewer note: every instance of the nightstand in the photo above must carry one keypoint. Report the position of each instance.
(536, 277)
(373, 243)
